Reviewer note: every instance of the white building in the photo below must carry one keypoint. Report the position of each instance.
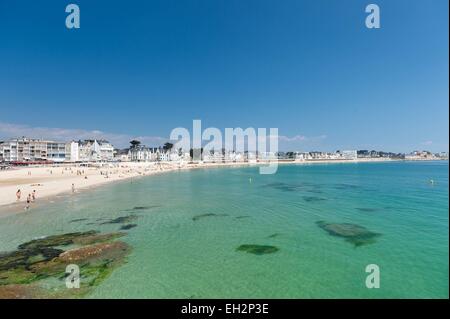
(94, 151)
(72, 152)
(32, 150)
(349, 155)
(106, 150)
(232, 156)
(140, 153)
(56, 152)
(419, 155)
(213, 157)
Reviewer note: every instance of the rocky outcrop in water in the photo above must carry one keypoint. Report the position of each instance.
(198, 217)
(37, 269)
(258, 249)
(121, 220)
(355, 234)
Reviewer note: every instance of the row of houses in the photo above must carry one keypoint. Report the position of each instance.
(424, 155)
(338, 155)
(39, 150)
(141, 153)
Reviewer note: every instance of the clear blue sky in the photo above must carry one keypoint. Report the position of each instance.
(310, 68)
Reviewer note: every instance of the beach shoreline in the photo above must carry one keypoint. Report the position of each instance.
(51, 181)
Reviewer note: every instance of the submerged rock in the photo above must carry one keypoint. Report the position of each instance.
(97, 238)
(56, 240)
(145, 207)
(78, 220)
(107, 251)
(285, 187)
(137, 209)
(24, 258)
(258, 249)
(366, 210)
(197, 217)
(128, 226)
(355, 234)
(121, 220)
(311, 199)
(31, 270)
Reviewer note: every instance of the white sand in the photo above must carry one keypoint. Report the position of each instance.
(49, 181)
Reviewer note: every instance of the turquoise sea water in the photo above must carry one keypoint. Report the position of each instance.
(176, 256)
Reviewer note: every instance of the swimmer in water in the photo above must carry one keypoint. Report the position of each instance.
(28, 202)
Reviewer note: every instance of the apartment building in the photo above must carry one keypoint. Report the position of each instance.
(95, 151)
(32, 150)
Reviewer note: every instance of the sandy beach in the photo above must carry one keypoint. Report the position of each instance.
(54, 180)
(49, 181)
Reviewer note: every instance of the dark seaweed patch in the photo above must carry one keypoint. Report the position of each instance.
(258, 249)
(128, 226)
(78, 220)
(198, 217)
(366, 210)
(121, 220)
(315, 191)
(56, 240)
(311, 199)
(355, 234)
(141, 208)
(24, 258)
(285, 187)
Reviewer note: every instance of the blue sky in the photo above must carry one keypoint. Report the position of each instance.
(310, 68)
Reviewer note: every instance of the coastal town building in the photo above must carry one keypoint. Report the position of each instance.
(39, 150)
(379, 154)
(213, 157)
(121, 155)
(338, 155)
(141, 153)
(72, 152)
(348, 155)
(32, 150)
(232, 156)
(95, 151)
(421, 155)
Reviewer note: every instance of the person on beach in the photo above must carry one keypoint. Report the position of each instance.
(33, 195)
(73, 188)
(18, 194)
